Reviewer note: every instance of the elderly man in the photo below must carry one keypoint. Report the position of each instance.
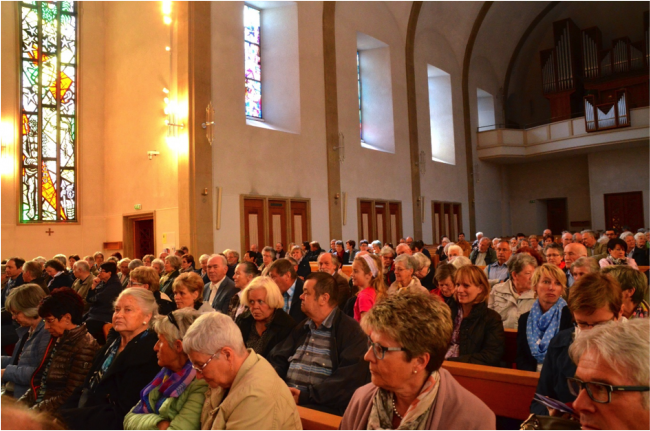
(484, 254)
(612, 388)
(33, 273)
(329, 263)
(567, 239)
(14, 273)
(577, 238)
(203, 271)
(84, 280)
(583, 266)
(279, 250)
(440, 251)
(594, 248)
(409, 241)
(315, 251)
(220, 290)
(387, 255)
(332, 246)
(268, 257)
(497, 272)
(547, 232)
(572, 252)
(283, 273)
(404, 249)
(475, 244)
(628, 237)
(322, 359)
(233, 259)
(245, 272)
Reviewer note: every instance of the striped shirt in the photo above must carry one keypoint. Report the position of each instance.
(312, 362)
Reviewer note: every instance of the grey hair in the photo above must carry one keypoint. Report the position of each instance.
(183, 318)
(479, 233)
(519, 261)
(126, 259)
(409, 261)
(61, 258)
(376, 243)
(82, 265)
(25, 299)
(212, 332)
(40, 259)
(608, 340)
(34, 268)
(461, 261)
(625, 234)
(422, 259)
(158, 262)
(204, 258)
(145, 299)
(586, 262)
(639, 235)
(589, 232)
(386, 250)
(451, 246)
(174, 261)
(223, 258)
(485, 238)
(135, 263)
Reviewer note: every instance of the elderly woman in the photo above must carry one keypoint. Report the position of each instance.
(408, 336)
(59, 275)
(478, 336)
(387, 255)
(425, 272)
(187, 263)
(172, 270)
(244, 391)
(515, 296)
(548, 316)
(628, 238)
(405, 268)
(148, 259)
(159, 266)
(616, 255)
(146, 277)
(641, 253)
(635, 288)
(452, 251)
(175, 397)
(17, 370)
(100, 298)
(125, 365)
(304, 269)
(188, 292)
(554, 254)
(581, 266)
(445, 282)
(265, 324)
(64, 366)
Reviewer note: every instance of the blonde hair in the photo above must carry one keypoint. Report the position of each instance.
(376, 282)
(273, 295)
(551, 271)
(146, 275)
(473, 275)
(192, 282)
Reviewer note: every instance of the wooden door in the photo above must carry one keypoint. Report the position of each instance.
(447, 213)
(277, 222)
(366, 225)
(254, 223)
(556, 214)
(437, 222)
(624, 210)
(299, 232)
(143, 236)
(456, 221)
(381, 222)
(395, 209)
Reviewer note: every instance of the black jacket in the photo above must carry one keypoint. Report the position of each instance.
(482, 340)
(557, 367)
(295, 311)
(525, 360)
(119, 389)
(230, 274)
(343, 289)
(279, 329)
(304, 268)
(164, 307)
(63, 280)
(641, 256)
(427, 281)
(166, 287)
(490, 256)
(349, 370)
(101, 300)
(41, 282)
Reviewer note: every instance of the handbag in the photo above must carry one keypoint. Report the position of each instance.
(535, 422)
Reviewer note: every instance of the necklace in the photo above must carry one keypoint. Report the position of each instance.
(395, 409)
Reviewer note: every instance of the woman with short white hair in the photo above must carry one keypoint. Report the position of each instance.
(425, 271)
(452, 251)
(405, 279)
(244, 390)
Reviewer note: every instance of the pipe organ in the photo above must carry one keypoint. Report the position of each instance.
(579, 74)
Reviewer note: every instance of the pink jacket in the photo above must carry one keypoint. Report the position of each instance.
(455, 408)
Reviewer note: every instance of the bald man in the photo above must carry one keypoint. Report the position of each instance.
(573, 252)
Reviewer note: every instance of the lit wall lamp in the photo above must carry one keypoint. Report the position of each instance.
(152, 154)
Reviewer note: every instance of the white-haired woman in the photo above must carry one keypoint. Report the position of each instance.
(405, 267)
(452, 251)
(175, 397)
(244, 391)
(124, 366)
(425, 271)
(265, 323)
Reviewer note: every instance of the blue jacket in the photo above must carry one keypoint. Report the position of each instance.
(101, 299)
(31, 357)
(225, 293)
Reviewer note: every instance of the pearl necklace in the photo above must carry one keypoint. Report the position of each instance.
(395, 409)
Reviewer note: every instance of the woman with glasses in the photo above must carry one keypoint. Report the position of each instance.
(146, 277)
(408, 336)
(125, 365)
(593, 300)
(17, 369)
(554, 254)
(617, 255)
(405, 280)
(188, 292)
(244, 391)
(265, 323)
(175, 397)
(548, 316)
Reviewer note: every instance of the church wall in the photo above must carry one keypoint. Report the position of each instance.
(260, 161)
(367, 173)
(619, 171)
(86, 236)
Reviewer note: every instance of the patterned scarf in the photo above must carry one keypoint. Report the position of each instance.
(541, 328)
(641, 312)
(169, 384)
(381, 415)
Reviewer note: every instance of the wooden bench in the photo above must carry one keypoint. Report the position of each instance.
(510, 352)
(506, 392)
(315, 420)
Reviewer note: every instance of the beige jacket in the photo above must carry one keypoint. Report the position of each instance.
(505, 300)
(257, 399)
(414, 286)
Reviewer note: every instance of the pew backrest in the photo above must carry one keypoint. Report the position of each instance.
(315, 420)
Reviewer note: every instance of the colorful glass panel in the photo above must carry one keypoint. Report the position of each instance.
(252, 62)
(48, 107)
(359, 95)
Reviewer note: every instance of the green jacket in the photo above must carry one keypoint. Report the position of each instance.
(184, 412)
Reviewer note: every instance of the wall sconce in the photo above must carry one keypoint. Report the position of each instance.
(173, 126)
(209, 122)
(152, 154)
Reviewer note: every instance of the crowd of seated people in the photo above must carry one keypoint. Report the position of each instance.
(158, 343)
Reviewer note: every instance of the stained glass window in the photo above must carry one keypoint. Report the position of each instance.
(48, 112)
(359, 93)
(253, 62)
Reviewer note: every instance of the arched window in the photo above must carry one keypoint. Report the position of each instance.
(48, 157)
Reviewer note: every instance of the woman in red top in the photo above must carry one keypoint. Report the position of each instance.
(367, 275)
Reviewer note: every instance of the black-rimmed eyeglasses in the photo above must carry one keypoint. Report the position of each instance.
(380, 350)
(600, 392)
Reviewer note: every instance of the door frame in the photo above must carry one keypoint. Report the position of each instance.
(128, 232)
(373, 215)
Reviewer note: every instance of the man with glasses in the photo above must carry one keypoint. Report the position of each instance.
(612, 377)
(593, 300)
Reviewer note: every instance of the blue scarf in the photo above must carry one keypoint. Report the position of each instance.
(169, 384)
(541, 328)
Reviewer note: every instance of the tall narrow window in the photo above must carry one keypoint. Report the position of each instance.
(48, 190)
(253, 62)
(359, 93)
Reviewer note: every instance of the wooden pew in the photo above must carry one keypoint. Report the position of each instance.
(347, 270)
(506, 392)
(510, 353)
(315, 420)
(313, 266)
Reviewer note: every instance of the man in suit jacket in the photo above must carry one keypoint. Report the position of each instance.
(329, 263)
(484, 254)
(284, 275)
(595, 249)
(14, 272)
(219, 291)
(203, 271)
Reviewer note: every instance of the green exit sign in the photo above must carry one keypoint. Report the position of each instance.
(531, 202)
(138, 206)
